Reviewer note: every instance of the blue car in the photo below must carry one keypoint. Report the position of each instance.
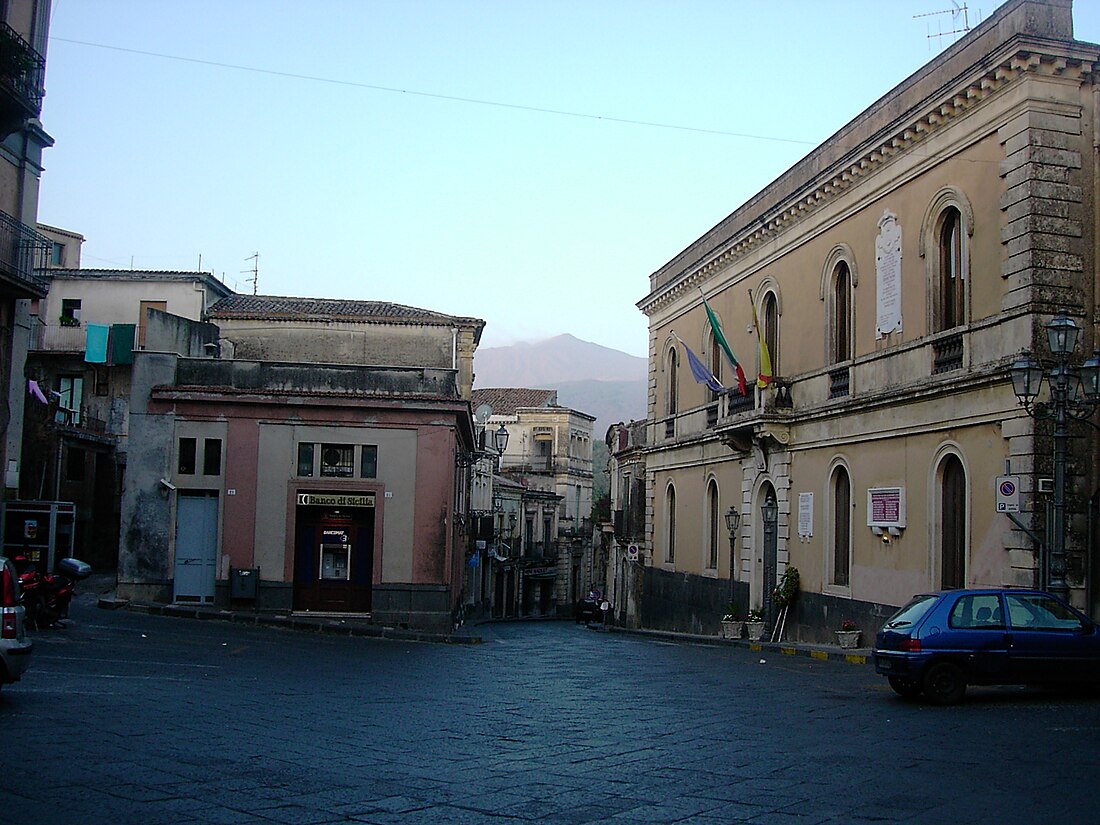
(941, 642)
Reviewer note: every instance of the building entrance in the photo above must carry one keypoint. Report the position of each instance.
(334, 553)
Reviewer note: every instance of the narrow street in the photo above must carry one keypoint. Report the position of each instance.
(132, 718)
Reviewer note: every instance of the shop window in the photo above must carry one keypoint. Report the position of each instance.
(368, 461)
(187, 450)
(305, 459)
(212, 457)
(337, 460)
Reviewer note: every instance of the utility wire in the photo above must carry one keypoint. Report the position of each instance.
(436, 96)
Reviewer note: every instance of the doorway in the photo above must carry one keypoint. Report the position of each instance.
(196, 562)
(334, 559)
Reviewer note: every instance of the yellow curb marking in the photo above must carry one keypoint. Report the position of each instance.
(753, 646)
(856, 660)
(818, 654)
(789, 651)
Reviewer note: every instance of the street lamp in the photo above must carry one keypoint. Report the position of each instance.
(500, 441)
(1074, 393)
(733, 521)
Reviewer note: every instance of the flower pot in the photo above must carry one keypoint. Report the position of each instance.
(848, 639)
(755, 630)
(732, 629)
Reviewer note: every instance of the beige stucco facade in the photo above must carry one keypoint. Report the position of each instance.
(991, 147)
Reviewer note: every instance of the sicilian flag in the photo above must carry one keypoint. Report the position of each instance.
(699, 369)
(720, 337)
(765, 376)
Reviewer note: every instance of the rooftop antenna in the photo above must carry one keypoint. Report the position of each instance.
(255, 279)
(956, 13)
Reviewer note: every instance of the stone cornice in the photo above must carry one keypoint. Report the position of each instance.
(1055, 60)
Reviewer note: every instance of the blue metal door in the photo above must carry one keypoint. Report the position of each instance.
(196, 547)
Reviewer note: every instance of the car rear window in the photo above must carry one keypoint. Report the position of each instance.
(912, 612)
(980, 611)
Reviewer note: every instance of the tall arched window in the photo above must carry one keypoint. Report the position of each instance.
(952, 523)
(673, 385)
(713, 520)
(716, 362)
(771, 329)
(952, 272)
(841, 544)
(670, 520)
(842, 314)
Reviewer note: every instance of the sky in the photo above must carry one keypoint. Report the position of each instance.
(526, 163)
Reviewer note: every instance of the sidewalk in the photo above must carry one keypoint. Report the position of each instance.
(856, 656)
(100, 590)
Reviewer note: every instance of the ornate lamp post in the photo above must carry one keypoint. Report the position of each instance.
(733, 521)
(1074, 394)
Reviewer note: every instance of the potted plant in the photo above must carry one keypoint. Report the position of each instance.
(754, 624)
(848, 635)
(732, 622)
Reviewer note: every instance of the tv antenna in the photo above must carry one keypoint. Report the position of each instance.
(255, 279)
(957, 12)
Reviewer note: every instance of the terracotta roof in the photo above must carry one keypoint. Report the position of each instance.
(140, 275)
(273, 307)
(506, 400)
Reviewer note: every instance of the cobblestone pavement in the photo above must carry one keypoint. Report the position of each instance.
(132, 718)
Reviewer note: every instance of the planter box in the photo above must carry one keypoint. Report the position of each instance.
(755, 630)
(732, 630)
(848, 639)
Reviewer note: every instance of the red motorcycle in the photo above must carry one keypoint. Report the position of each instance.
(46, 596)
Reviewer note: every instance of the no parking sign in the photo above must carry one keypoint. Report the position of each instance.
(1008, 494)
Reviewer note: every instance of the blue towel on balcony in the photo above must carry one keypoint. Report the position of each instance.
(95, 345)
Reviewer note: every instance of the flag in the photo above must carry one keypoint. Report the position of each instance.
(716, 328)
(699, 370)
(36, 391)
(765, 376)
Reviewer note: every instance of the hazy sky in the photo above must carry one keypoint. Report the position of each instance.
(528, 163)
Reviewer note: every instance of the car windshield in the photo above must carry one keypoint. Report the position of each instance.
(912, 612)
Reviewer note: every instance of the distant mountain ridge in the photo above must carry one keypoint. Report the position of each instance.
(589, 378)
(561, 358)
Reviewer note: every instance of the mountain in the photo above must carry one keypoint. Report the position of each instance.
(562, 358)
(589, 378)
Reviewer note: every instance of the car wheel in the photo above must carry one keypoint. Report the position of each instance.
(944, 683)
(907, 688)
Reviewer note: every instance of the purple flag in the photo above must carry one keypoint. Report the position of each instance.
(36, 391)
(699, 370)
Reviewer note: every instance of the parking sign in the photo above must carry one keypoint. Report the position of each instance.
(1008, 494)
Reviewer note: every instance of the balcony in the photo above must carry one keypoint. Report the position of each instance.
(23, 254)
(947, 353)
(22, 80)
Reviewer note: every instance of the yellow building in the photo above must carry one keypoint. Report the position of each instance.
(896, 272)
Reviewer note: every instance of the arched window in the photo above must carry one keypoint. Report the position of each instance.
(713, 519)
(841, 539)
(672, 385)
(670, 520)
(952, 523)
(842, 314)
(951, 311)
(716, 362)
(771, 329)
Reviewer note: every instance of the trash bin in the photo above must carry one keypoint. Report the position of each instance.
(244, 583)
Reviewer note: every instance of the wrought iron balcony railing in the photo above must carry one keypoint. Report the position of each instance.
(23, 254)
(22, 78)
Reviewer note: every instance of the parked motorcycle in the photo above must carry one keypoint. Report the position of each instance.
(46, 596)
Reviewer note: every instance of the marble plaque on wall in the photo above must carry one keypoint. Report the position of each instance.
(888, 275)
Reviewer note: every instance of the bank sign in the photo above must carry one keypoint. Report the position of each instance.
(332, 500)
